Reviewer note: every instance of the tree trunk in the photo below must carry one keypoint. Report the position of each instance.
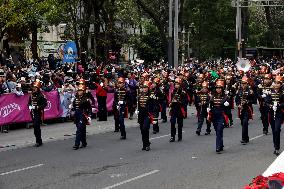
(273, 32)
(34, 40)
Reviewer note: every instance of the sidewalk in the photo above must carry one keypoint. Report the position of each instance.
(61, 131)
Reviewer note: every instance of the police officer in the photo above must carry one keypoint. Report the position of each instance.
(244, 99)
(37, 103)
(216, 111)
(176, 109)
(83, 109)
(202, 103)
(145, 103)
(119, 106)
(275, 102)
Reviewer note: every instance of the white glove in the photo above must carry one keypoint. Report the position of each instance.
(89, 120)
(263, 95)
(226, 103)
(268, 92)
(70, 106)
(275, 104)
(208, 110)
(120, 102)
(31, 107)
(274, 108)
(136, 112)
(259, 86)
(101, 84)
(226, 92)
(93, 110)
(154, 122)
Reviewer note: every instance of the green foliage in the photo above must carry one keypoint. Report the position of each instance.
(148, 45)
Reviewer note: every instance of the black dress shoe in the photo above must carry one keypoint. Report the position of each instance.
(265, 132)
(244, 142)
(75, 147)
(198, 133)
(38, 145)
(122, 137)
(83, 146)
(218, 151)
(207, 133)
(172, 139)
(276, 152)
(116, 131)
(154, 132)
(144, 148)
(164, 121)
(180, 139)
(147, 148)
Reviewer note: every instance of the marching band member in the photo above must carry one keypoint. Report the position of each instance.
(119, 106)
(83, 109)
(216, 111)
(244, 99)
(37, 103)
(145, 107)
(275, 102)
(264, 89)
(230, 91)
(202, 103)
(176, 109)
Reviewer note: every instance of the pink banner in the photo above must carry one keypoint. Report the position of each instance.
(110, 98)
(109, 101)
(14, 109)
(53, 109)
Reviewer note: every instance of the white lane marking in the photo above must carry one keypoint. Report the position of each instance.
(163, 136)
(257, 137)
(23, 169)
(160, 137)
(132, 179)
(276, 167)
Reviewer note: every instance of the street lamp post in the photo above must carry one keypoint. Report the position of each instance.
(176, 42)
(183, 47)
(170, 39)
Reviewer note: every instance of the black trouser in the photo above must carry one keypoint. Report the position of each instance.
(81, 130)
(201, 117)
(156, 127)
(37, 130)
(132, 105)
(179, 121)
(102, 109)
(276, 128)
(119, 120)
(228, 112)
(218, 123)
(144, 123)
(264, 117)
(163, 104)
(244, 122)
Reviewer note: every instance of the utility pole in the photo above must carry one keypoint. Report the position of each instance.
(170, 39)
(176, 41)
(239, 29)
(239, 4)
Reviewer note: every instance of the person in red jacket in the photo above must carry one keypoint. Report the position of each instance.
(102, 97)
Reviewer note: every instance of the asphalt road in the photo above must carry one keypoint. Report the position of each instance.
(108, 162)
